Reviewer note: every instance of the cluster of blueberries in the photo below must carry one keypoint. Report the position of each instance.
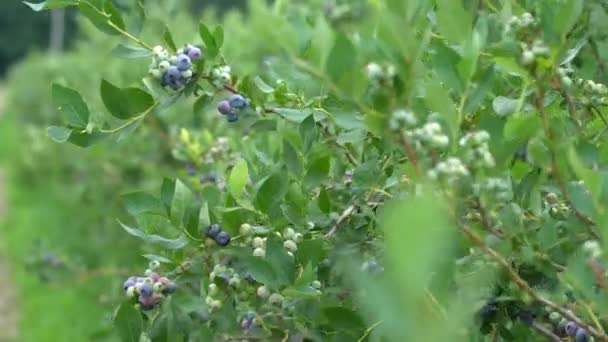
(148, 290)
(174, 71)
(232, 106)
(209, 177)
(216, 233)
(565, 327)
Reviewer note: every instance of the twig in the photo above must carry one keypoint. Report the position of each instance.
(541, 329)
(522, 284)
(368, 331)
(345, 214)
(554, 166)
(411, 155)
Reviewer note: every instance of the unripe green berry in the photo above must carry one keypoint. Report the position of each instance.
(275, 299)
(316, 284)
(257, 242)
(158, 287)
(164, 66)
(216, 304)
(290, 246)
(245, 229)
(298, 237)
(234, 282)
(208, 300)
(131, 292)
(212, 289)
(566, 81)
(262, 292)
(259, 252)
(187, 73)
(555, 317)
(527, 57)
(289, 234)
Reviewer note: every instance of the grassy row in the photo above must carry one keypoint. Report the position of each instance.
(66, 308)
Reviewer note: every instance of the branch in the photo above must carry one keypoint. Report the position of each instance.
(345, 214)
(541, 329)
(523, 285)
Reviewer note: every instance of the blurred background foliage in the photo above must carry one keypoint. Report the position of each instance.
(62, 257)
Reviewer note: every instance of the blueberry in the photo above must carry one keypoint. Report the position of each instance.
(173, 73)
(213, 231)
(146, 290)
(238, 101)
(232, 117)
(224, 107)
(222, 239)
(581, 335)
(128, 283)
(183, 62)
(212, 176)
(147, 303)
(191, 169)
(170, 288)
(194, 53)
(571, 328)
(164, 80)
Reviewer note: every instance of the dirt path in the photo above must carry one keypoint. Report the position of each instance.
(8, 312)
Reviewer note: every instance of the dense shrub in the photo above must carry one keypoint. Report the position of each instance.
(386, 170)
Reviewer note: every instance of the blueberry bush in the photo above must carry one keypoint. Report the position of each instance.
(380, 170)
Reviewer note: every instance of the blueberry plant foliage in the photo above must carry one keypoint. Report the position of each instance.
(389, 171)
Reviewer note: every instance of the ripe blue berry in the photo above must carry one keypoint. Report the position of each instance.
(222, 239)
(146, 290)
(581, 335)
(232, 117)
(183, 62)
(128, 283)
(170, 288)
(238, 101)
(224, 107)
(173, 73)
(194, 53)
(571, 328)
(213, 231)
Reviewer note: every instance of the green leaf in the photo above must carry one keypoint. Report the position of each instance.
(521, 126)
(171, 244)
(168, 39)
(344, 319)
(50, 4)
(166, 193)
(568, 15)
(323, 201)
(114, 14)
(291, 158)
(308, 132)
(438, 99)
(317, 171)
(181, 198)
(271, 191)
(203, 101)
(218, 36)
(99, 18)
(125, 103)
(265, 88)
(130, 52)
(260, 270)
(71, 105)
(592, 179)
(341, 62)
(311, 251)
(59, 134)
(84, 139)
(504, 106)
(238, 179)
(209, 40)
(140, 202)
(453, 20)
(128, 323)
(281, 262)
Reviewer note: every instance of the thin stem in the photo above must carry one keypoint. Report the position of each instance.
(130, 121)
(130, 36)
(411, 155)
(541, 329)
(369, 331)
(345, 214)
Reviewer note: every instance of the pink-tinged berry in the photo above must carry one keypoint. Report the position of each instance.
(194, 53)
(224, 107)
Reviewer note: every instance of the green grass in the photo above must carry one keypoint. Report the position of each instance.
(68, 309)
